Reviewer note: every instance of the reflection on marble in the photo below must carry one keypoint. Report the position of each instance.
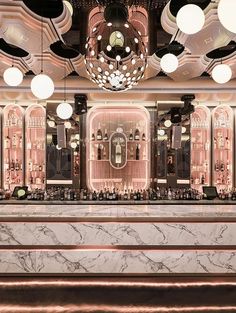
(117, 233)
(118, 262)
(121, 210)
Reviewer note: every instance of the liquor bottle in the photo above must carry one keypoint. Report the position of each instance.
(12, 167)
(221, 141)
(131, 137)
(202, 179)
(131, 153)
(93, 137)
(207, 145)
(143, 137)
(118, 153)
(105, 135)
(17, 165)
(217, 166)
(20, 142)
(136, 134)
(227, 143)
(6, 167)
(99, 132)
(14, 141)
(30, 166)
(137, 152)
(7, 142)
(227, 165)
(222, 166)
(215, 143)
(40, 167)
(99, 155)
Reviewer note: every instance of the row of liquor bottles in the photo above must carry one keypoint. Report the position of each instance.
(16, 142)
(69, 194)
(133, 153)
(218, 123)
(103, 135)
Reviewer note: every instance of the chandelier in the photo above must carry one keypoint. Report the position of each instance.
(116, 56)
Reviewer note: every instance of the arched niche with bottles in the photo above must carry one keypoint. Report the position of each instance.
(222, 167)
(13, 140)
(200, 147)
(35, 134)
(118, 147)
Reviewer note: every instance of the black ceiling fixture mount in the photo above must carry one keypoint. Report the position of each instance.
(45, 8)
(116, 13)
(176, 5)
(174, 47)
(222, 52)
(12, 49)
(63, 50)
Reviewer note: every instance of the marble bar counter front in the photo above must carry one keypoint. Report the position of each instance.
(67, 238)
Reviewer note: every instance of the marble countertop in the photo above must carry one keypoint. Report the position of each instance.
(185, 210)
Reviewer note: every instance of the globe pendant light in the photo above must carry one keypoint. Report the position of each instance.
(226, 14)
(13, 76)
(68, 6)
(190, 19)
(169, 63)
(221, 73)
(64, 109)
(42, 85)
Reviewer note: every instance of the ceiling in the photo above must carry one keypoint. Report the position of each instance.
(63, 37)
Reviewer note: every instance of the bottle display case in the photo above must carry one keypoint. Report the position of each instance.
(118, 148)
(222, 167)
(35, 136)
(200, 147)
(13, 146)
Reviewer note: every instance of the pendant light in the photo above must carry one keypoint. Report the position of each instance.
(64, 109)
(221, 73)
(190, 19)
(169, 63)
(226, 14)
(42, 85)
(13, 76)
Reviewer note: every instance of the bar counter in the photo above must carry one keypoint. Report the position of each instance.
(118, 238)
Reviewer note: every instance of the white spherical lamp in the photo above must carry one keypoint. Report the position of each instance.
(42, 86)
(69, 6)
(13, 76)
(226, 14)
(221, 73)
(64, 110)
(169, 63)
(167, 123)
(190, 19)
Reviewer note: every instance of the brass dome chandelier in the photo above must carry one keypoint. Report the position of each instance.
(116, 56)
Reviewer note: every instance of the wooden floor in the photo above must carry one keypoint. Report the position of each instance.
(115, 294)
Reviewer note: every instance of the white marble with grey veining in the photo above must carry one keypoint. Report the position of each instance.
(118, 211)
(131, 262)
(101, 234)
(118, 262)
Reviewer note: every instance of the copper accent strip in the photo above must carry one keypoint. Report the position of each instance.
(118, 248)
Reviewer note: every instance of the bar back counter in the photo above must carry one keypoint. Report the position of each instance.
(118, 238)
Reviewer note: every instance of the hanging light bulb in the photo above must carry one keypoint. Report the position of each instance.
(226, 14)
(73, 145)
(42, 86)
(167, 123)
(67, 125)
(13, 76)
(51, 123)
(190, 19)
(221, 73)
(64, 110)
(169, 63)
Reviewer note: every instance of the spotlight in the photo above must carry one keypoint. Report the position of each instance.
(175, 115)
(80, 104)
(188, 108)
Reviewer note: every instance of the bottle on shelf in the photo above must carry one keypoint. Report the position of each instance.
(137, 155)
(137, 134)
(105, 135)
(93, 137)
(7, 142)
(131, 153)
(99, 133)
(143, 137)
(12, 167)
(203, 179)
(118, 153)
(227, 143)
(99, 152)
(17, 165)
(131, 137)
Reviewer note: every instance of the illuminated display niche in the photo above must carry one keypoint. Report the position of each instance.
(118, 148)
